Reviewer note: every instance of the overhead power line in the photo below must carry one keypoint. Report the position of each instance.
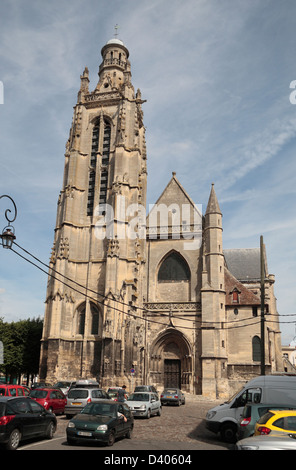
(204, 324)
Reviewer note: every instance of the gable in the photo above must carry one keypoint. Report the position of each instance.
(245, 296)
(174, 209)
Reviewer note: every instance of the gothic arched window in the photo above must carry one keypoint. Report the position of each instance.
(104, 149)
(256, 348)
(94, 321)
(174, 268)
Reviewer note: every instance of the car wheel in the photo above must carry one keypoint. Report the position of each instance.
(111, 439)
(228, 432)
(14, 440)
(50, 430)
(159, 411)
(129, 433)
(148, 414)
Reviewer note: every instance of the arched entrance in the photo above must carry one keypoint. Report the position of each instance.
(171, 360)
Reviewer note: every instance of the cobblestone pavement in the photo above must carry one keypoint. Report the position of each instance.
(177, 424)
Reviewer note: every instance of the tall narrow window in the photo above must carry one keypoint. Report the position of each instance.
(104, 149)
(81, 321)
(105, 164)
(256, 348)
(92, 171)
(95, 317)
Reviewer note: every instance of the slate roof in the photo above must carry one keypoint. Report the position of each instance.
(244, 263)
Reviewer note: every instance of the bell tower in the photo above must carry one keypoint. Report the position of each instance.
(98, 257)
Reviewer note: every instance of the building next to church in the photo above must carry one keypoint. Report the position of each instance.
(135, 298)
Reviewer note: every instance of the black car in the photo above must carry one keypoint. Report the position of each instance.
(102, 421)
(22, 418)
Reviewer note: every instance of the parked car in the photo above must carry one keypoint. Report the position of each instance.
(89, 383)
(146, 388)
(252, 413)
(78, 398)
(63, 386)
(40, 385)
(276, 420)
(273, 441)
(13, 390)
(22, 418)
(172, 396)
(103, 421)
(113, 392)
(144, 404)
(52, 399)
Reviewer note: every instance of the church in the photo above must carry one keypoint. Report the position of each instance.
(135, 297)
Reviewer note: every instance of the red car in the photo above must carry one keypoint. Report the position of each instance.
(8, 390)
(51, 399)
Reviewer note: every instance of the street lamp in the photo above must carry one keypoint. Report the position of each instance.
(8, 236)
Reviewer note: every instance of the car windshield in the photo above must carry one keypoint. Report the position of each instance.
(138, 397)
(100, 409)
(62, 384)
(78, 393)
(171, 391)
(141, 389)
(38, 393)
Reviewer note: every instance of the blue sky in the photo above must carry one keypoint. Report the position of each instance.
(216, 77)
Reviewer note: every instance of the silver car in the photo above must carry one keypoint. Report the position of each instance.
(173, 396)
(144, 404)
(78, 398)
(273, 441)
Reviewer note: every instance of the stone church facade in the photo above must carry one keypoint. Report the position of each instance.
(145, 299)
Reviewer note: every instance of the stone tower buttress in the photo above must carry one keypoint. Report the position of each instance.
(214, 340)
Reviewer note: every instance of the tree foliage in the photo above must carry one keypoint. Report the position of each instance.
(21, 343)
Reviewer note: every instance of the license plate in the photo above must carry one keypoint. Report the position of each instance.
(169, 396)
(77, 403)
(84, 433)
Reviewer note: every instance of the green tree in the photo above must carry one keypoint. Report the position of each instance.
(21, 341)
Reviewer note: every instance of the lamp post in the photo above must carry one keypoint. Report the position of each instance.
(8, 236)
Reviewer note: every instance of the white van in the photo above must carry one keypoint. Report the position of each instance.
(225, 418)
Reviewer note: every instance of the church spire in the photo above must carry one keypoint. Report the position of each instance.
(213, 205)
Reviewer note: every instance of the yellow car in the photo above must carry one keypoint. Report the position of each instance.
(274, 420)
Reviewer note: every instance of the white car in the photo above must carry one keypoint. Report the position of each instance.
(274, 441)
(144, 404)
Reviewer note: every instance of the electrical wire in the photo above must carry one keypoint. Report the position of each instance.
(204, 324)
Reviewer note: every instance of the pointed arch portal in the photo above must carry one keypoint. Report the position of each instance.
(171, 360)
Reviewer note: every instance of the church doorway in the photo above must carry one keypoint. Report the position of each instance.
(171, 361)
(172, 373)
